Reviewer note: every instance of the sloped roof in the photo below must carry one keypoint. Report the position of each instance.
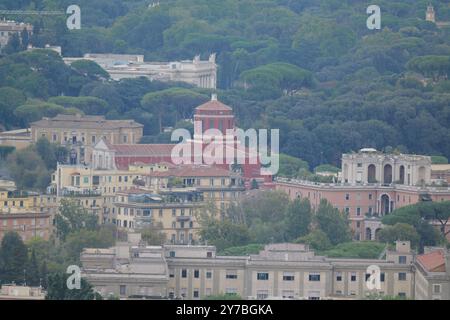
(84, 122)
(433, 261)
(214, 105)
(143, 150)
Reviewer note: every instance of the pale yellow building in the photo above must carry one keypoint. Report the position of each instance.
(80, 133)
(280, 271)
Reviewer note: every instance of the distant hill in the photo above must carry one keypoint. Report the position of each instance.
(348, 87)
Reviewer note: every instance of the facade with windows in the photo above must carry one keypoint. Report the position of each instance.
(289, 271)
(432, 275)
(200, 73)
(80, 133)
(372, 185)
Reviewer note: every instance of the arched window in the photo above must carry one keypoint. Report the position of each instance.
(371, 174)
(387, 174)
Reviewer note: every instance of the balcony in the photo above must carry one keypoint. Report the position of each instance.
(184, 218)
(76, 193)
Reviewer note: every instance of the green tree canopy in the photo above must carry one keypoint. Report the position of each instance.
(333, 223)
(13, 259)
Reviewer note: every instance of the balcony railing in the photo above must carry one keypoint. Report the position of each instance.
(80, 193)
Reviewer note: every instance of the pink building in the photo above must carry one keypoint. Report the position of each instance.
(395, 181)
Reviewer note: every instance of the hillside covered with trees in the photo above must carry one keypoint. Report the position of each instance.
(308, 67)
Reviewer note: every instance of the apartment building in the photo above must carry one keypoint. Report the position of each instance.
(289, 271)
(432, 275)
(172, 199)
(373, 184)
(29, 214)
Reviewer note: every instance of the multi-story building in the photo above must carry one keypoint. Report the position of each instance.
(19, 139)
(202, 74)
(29, 214)
(289, 271)
(80, 133)
(210, 115)
(172, 199)
(373, 185)
(432, 275)
(9, 28)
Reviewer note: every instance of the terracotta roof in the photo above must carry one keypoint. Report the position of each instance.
(433, 261)
(214, 105)
(84, 122)
(193, 171)
(144, 150)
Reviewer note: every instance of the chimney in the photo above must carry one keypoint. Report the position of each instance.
(214, 97)
(403, 246)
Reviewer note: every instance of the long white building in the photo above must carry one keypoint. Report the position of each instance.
(200, 73)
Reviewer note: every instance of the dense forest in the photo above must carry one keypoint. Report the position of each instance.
(311, 68)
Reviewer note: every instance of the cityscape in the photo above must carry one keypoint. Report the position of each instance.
(187, 150)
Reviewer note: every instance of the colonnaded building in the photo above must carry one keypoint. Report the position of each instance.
(200, 73)
(279, 271)
(372, 185)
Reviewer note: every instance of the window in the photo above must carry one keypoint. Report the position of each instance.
(347, 196)
(174, 212)
(231, 291)
(288, 294)
(338, 276)
(402, 259)
(382, 276)
(436, 288)
(262, 294)
(353, 277)
(358, 224)
(86, 180)
(314, 277)
(209, 254)
(93, 139)
(172, 254)
(160, 213)
(262, 276)
(184, 273)
(402, 276)
(288, 276)
(196, 274)
(208, 274)
(358, 211)
(370, 196)
(402, 294)
(231, 275)
(123, 290)
(196, 294)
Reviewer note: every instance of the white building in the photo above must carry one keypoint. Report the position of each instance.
(197, 72)
(8, 28)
